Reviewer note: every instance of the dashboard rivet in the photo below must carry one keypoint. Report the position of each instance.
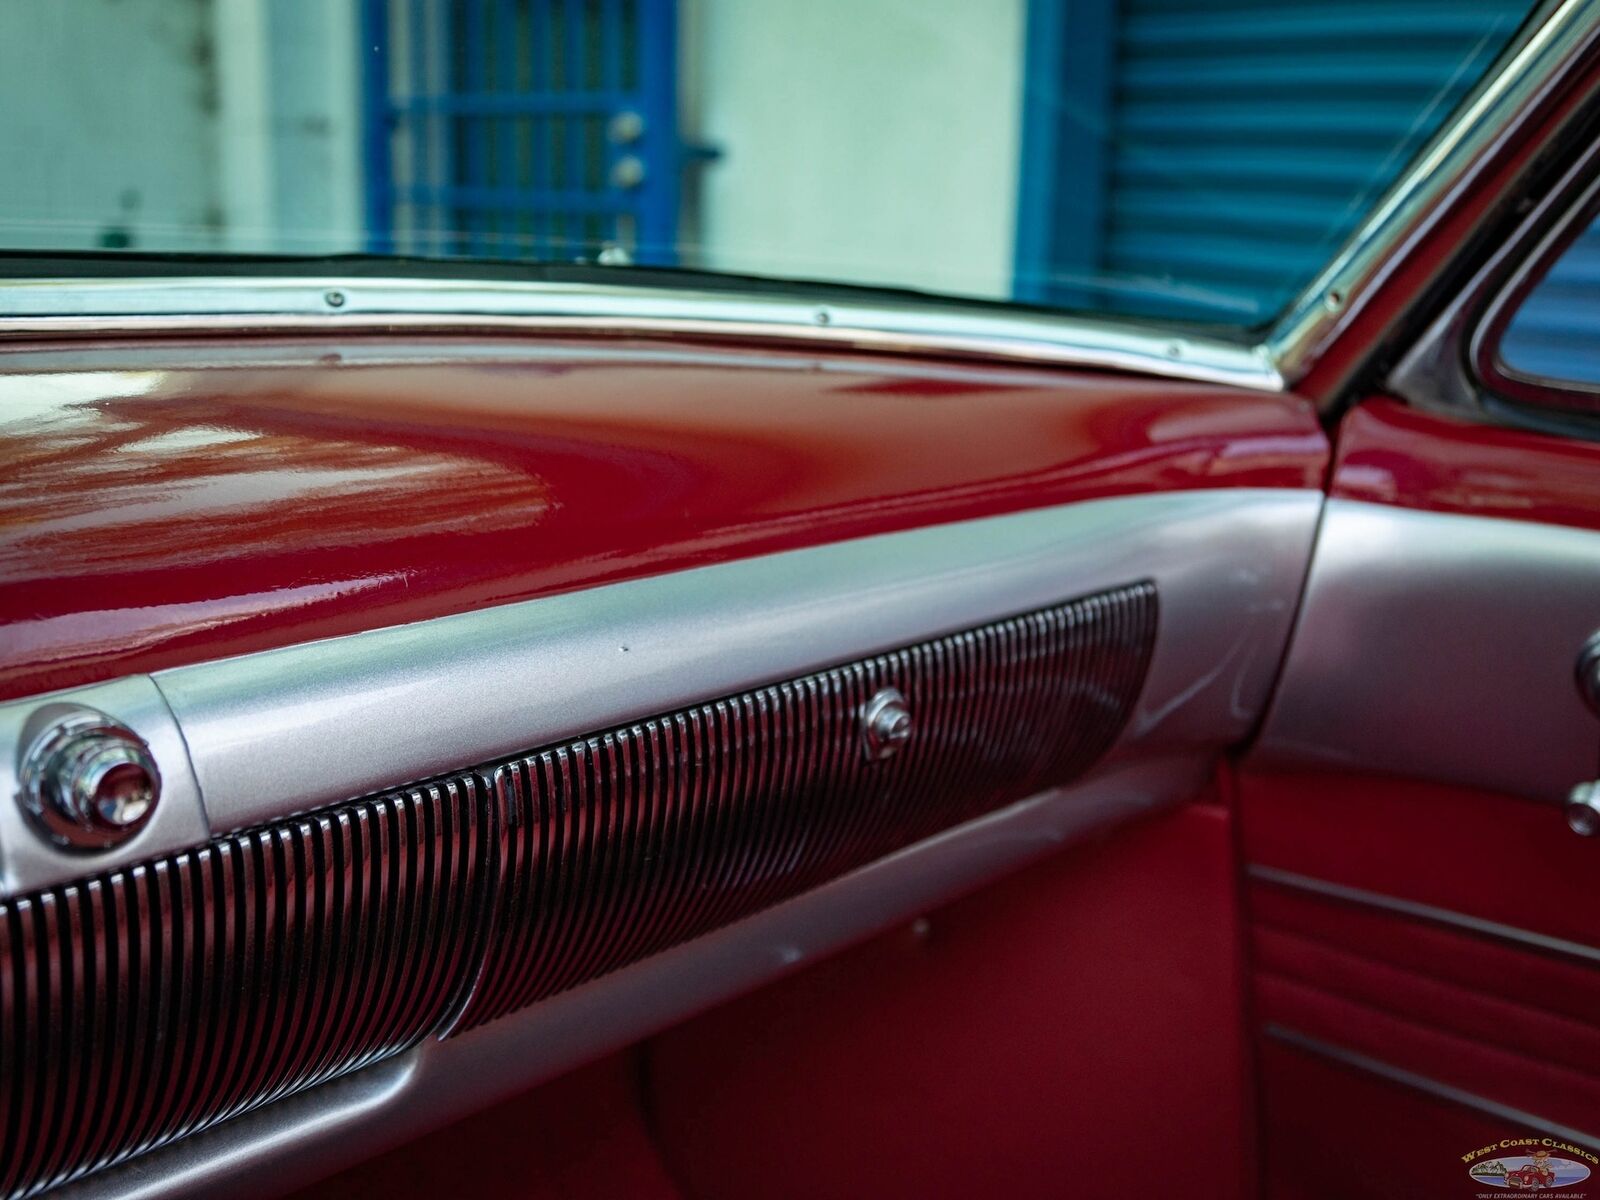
(885, 724)
(334, 299)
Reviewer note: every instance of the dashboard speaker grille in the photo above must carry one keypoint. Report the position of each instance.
(153, 1001)
(620, 845)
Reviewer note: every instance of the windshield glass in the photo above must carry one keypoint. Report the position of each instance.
(1198, 159)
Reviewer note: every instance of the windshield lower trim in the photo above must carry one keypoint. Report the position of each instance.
(102, 307)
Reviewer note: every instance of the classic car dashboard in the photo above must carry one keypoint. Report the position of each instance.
(392, 874)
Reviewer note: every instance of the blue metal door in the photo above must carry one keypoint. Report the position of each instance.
(522, 129)
(1556, 333)
(1205, 159)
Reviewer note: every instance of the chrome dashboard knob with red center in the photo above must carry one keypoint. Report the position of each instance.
(89, 782)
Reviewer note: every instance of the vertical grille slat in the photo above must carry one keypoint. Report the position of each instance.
(158, 999)
(633, 840)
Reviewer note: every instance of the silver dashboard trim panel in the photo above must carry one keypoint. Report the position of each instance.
(285, 730)
(229, 304)
(263, 736)
(1464, 630)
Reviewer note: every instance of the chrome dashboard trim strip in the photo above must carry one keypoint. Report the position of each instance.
(293, 1142)
(286, 730)
(226, 304)
(1429, 1087)
(271, 734)
(1465, 630)
(1525, 938)
(1549, 43)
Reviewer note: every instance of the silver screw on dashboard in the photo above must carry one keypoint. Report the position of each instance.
(885, 724)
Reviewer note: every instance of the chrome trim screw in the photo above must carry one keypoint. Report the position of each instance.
(885, 724)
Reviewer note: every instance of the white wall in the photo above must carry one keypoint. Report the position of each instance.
(874, 141)
(289, 125)
(106, 117)
(181, 124)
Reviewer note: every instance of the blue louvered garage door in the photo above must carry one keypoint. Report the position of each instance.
(1238, 143)
(1556, 334)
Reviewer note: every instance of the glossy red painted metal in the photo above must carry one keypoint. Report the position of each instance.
(154, 511)
(1390, 454)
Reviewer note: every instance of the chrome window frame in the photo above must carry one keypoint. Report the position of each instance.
(1483, 357)
(1538, 58)
(1554, 38)
(1454, 366)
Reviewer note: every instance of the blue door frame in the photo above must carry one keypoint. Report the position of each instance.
(521, 129)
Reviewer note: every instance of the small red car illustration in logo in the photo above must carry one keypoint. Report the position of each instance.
(1533, 1175)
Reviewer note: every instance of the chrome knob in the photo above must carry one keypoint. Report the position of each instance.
(1583, 809)
(885, 724)
(88, 782)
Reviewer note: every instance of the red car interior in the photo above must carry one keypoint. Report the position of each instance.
(680, 764)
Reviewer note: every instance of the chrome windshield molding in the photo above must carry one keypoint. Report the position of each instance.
(287, 730)
(1559, 34)
(1429, 1087)
(292, 1142)
(103, 307)
(1478, 630)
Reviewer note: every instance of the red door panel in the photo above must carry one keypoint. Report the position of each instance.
(1074, 1031)
(1424, 932)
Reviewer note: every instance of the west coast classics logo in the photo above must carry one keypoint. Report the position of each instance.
(1547, 1166)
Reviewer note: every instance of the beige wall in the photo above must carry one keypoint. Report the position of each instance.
(107, 123)
(866, 140)
(872, 141)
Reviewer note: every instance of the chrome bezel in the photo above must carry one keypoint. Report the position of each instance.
(58, 728)
(1454, 365)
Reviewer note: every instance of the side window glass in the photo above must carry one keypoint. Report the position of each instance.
(1553, 339)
